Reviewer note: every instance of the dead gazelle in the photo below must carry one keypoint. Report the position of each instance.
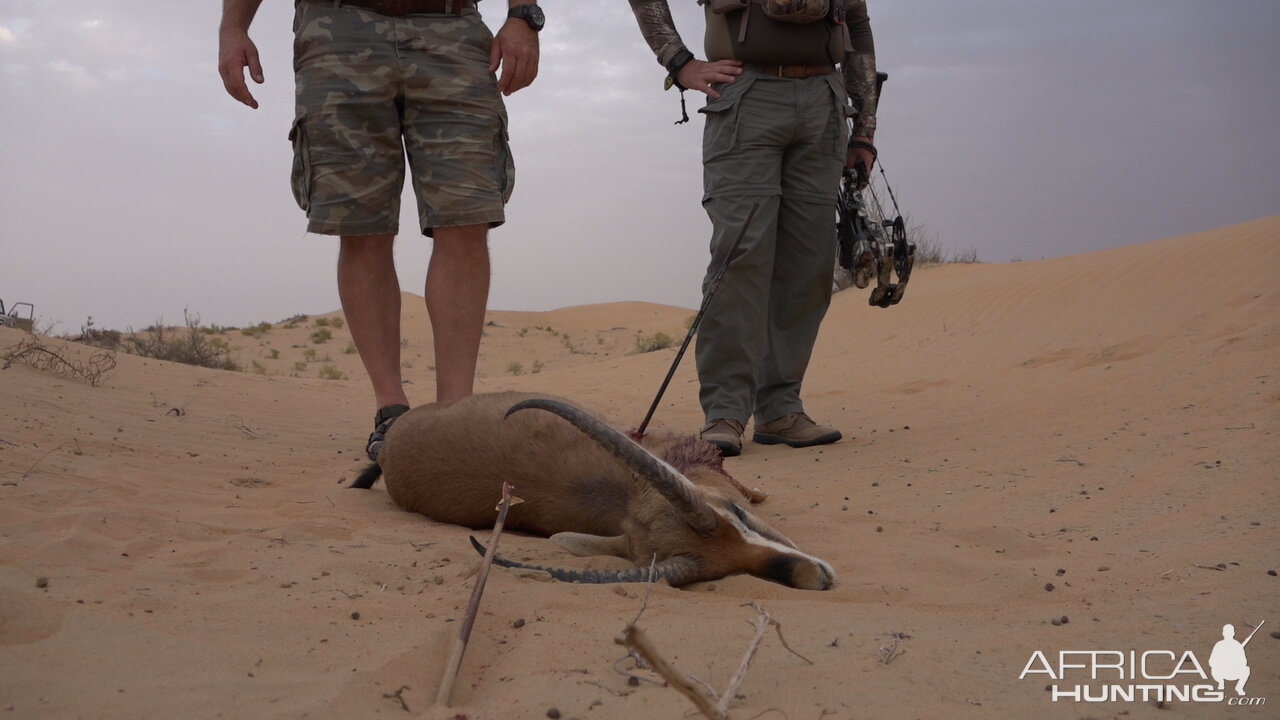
(588, 487)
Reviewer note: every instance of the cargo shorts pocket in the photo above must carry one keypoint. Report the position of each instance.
(720, 135)
(505, 163)
(300, 180)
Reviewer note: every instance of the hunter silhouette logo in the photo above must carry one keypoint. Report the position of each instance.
(1228, 661)
(1148, 675)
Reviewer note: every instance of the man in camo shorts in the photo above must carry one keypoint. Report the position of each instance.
(378, 80)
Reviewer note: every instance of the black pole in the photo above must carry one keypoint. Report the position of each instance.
(697, 319)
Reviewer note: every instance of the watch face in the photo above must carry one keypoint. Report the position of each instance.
(530, 13)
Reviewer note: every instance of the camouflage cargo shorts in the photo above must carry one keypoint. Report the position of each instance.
(373, 89)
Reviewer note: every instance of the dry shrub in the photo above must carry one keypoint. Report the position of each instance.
(35, 353)
(656, 341)
(929, 251)
(189, 345)
(329, 372)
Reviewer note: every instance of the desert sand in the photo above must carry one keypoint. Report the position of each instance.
(1088, 437)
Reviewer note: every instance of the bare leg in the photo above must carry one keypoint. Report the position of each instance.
(457, 291)
(370, 294)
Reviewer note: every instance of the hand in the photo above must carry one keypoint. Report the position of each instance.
(698, 75)
(236, 52)
(515, 48)
(863, 156)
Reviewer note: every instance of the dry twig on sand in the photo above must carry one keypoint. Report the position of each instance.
(702, 695)
(398, 695)
(25, 475)
(648, 589)
(458, 644)
(763, 622)
(238, 423)
(887, 654)
(1060, 531)
(634, 639)
(32, 352)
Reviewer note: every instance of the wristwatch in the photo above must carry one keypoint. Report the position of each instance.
(531, 14)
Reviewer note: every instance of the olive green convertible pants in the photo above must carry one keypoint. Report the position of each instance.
(781, 143)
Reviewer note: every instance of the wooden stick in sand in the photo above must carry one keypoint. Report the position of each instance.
(458, 643)
(713, 705)
(636, 641)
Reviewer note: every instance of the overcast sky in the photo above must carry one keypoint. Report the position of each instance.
(133, 187)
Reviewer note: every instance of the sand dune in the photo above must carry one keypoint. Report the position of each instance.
(177, 542)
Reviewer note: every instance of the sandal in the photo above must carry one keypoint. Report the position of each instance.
(382, 422)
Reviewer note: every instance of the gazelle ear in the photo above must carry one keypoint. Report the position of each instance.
(585, 545)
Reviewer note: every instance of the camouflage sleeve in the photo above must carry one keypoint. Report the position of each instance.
(859, 69)
(659, 28)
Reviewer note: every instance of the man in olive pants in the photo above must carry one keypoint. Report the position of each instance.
(776, 137)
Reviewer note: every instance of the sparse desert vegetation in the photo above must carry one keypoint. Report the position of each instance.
(297, 345)
(929, 250)
(190, 344)
(256, 331)
(329, 372)
(656, 341)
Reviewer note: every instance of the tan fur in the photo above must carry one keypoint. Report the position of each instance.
(448, 462)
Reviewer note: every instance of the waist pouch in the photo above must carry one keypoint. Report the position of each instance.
(743, 30)
(795, 11)
(788, 11)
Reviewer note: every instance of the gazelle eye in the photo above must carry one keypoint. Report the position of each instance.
(738, 512)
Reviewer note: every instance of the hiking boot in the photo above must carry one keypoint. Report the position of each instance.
(725, 434)
(381, 424)
(795, 429)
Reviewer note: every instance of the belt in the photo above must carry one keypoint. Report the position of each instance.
(408, 7)
(792, 71)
